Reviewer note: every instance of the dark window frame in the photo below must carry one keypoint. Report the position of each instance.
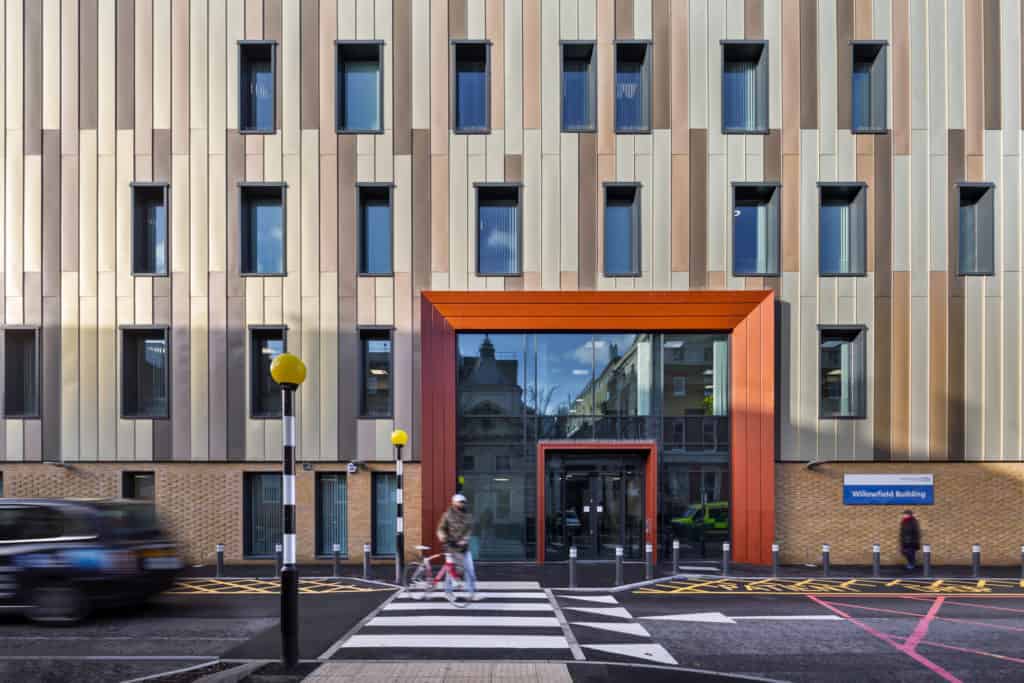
(373, 513)
(636, 228)
(985, 188)
(247, 519)
(592, 84)
(166, 330)
(36, 345)
(245, 229)
(861, 331)
(318, 529)
(242, 98)
(377, 332)
(882, 52)
(486, 186)
(339, 97)
(361, 227)
(454, 93)
(648, 78)
(128, 490)
(762, 89)
(775, 204)
(252, 331)
(862, 228)
(166, 187)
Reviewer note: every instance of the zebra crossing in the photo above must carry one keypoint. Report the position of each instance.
(511, 620)
(606, 631)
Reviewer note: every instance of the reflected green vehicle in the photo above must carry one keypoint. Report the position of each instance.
(703, 522)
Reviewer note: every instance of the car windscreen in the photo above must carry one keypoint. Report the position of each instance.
(129, 520)
(25, 523)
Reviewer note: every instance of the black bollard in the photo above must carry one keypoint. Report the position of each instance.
(826, 564)
(337, 559)
(366, 560)
(278, 551)
(775, 559)
(726, 550)
(927, 566)
(220, 560)
(572, 567)
(876, 560)
(976, 560)
(618, 565)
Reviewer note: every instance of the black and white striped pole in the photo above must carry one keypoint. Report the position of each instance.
(398, 439)
(288, 371)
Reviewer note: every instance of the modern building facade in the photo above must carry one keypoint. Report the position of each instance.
(627, 271)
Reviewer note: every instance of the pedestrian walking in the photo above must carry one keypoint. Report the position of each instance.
(910, 538)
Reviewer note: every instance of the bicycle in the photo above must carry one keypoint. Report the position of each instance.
(420, 578)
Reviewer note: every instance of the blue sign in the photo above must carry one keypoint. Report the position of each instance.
(888, 489)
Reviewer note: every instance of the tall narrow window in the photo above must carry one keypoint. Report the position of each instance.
(632, 87)
(498, 230)
(843, 229)
(745, 87)
(579, 87)
(472, 87)
(385, 513)
(622, 230)
(755, 229)
(256, 67)
(331, 513)
(149, 229)
(375, 229)
(263, 520)
(977, 229)
(360, 87)
(842, 372)
(21, 373)
(265, 344)
(262, 219)
(869, 87)
(376, 353)
(144, 380)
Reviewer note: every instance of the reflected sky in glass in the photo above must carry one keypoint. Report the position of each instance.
(266, 243)
(362, 95)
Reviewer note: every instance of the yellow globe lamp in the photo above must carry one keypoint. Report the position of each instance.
(399, 438)
(288, 370)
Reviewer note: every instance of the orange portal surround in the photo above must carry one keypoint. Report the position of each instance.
(748, 315)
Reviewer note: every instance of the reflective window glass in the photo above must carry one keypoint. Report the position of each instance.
(565, 370)
(263, 230)
(471, 85)
(375, 230)
(265, 393)
(21, 378)
(256, 87)
(149, 230)
(492, 375)
(359, 87)
(144, 390)
(623, 374)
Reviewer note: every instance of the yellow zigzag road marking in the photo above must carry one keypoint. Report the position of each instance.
(263, 587)
(824, 586)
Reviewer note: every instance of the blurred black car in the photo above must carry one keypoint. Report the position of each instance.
(59, 559)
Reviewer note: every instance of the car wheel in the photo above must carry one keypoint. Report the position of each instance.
(57, 604)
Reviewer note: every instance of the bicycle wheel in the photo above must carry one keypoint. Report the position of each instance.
(418, 582)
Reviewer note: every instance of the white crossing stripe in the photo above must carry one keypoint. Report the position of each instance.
(649, 651)
(508, 585)
(603, 599)
(487, 606)
(458, 642)
(451, 620)
(629, 628)
(438, 594)
(616, 612)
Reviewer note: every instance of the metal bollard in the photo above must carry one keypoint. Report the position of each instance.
(649, 561)
(726, 551)
(337, 559)
(572, 567)
(675, 556)
(366, 560)
(927, 566)
(826, 564)
(876, 560)
(775, 559)
(976, 560)
(618, 565)
(220, 560)
(278, 550)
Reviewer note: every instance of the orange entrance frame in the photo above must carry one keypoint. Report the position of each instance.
(650, 452)
(747, 314)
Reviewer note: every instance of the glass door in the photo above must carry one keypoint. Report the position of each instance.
(579, 513)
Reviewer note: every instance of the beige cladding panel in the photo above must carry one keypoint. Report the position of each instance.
(134, 92)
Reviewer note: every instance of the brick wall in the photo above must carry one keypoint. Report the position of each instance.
(200, 504)
(974, 503)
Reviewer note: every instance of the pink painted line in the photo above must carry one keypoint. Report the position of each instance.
(970, 651)
(922, 626)
(913, 654)
(967, 604)
(955, 620)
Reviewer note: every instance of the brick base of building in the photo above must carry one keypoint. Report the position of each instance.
(974, 503)
(201, 504)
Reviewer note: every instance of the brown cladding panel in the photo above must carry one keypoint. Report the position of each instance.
(51, 380)
(401, 48)
(51, 198)
(662, 112)
(457, 18)
(753, 19)
(938, 335)
(163, 440)
(900, 405)
(236, 375)
(125, 72)
(162, 155)
(773, 156)
(235, 175)
(681, 211)
(883, 379)
(531, 65)
(624, 19)
(88, 65)
(348, 377)
(347, 269)
(901, 77)
(33, 76)
(808, 64)
(421, 209)
(698, 208)
(956, 328)
(844, 62)
(993, 86)
(309, 58)
(883, 214)
(587, 212)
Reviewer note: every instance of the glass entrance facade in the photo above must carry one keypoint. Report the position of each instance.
(515, 390)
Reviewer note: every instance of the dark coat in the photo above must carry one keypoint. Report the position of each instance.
(456, 526)
(910, 533)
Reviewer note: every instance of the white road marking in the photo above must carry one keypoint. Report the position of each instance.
(474, 621)
(719, 618)
(616, 627)
(603, 599)
(438, 594)
(458, 642)
(508, 585)
(495, 606)
(649, 651)
(617, 612)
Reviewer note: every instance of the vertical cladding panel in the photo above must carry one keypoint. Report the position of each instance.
(419, 57)
(974, 74)
(162, 51)
(549, 77)
(1010, 66)
(106, 366)
(918, 66)
(217, 352)
(50, 207)
(955, 63)
(495, 33)
(88, 66)
(459, 191)
(328, 207)
(88, 396)
(235, 165)
(882, 194)
(956, 341)
(309, 407)
(679, 80)
(125, 65)
(698, 173)
(938, 77)
(513, 85)
(974, 367)
(883, 380)
(402, 78)
(346, 228)
(124, 428)
(680, 209)
(200, 379)
(439, 76)
(938, 378)
(531, 64)
(807, 379)
(716, 32)
(143, 68)
(198, 192)
(14, 215)
(325, 37)
(569, 175)
(588, 207)
(308, 225)
(236, 374)
(533, 187)
(32, 77)
(808, 174)
(69, 211)
(994, 379)
(791, 77)
(808, 64)
(826, 86)
(1009, 402)
(180, 50)
(291, 77)
(938, 189)
(70, 398)
(662, 84)
(605, 76)
(901, 84)
(642, 19)
(991, 64)
(788, 366)
(181, 403)
(919, 213)
(328, 365)
(550, 231)
(844, 30)
(309, 55)
(121, 230)
(624, 16)
(900, 365)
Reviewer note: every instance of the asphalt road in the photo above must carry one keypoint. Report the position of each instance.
(780, 637)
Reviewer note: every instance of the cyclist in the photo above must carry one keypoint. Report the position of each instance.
(454, 531)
